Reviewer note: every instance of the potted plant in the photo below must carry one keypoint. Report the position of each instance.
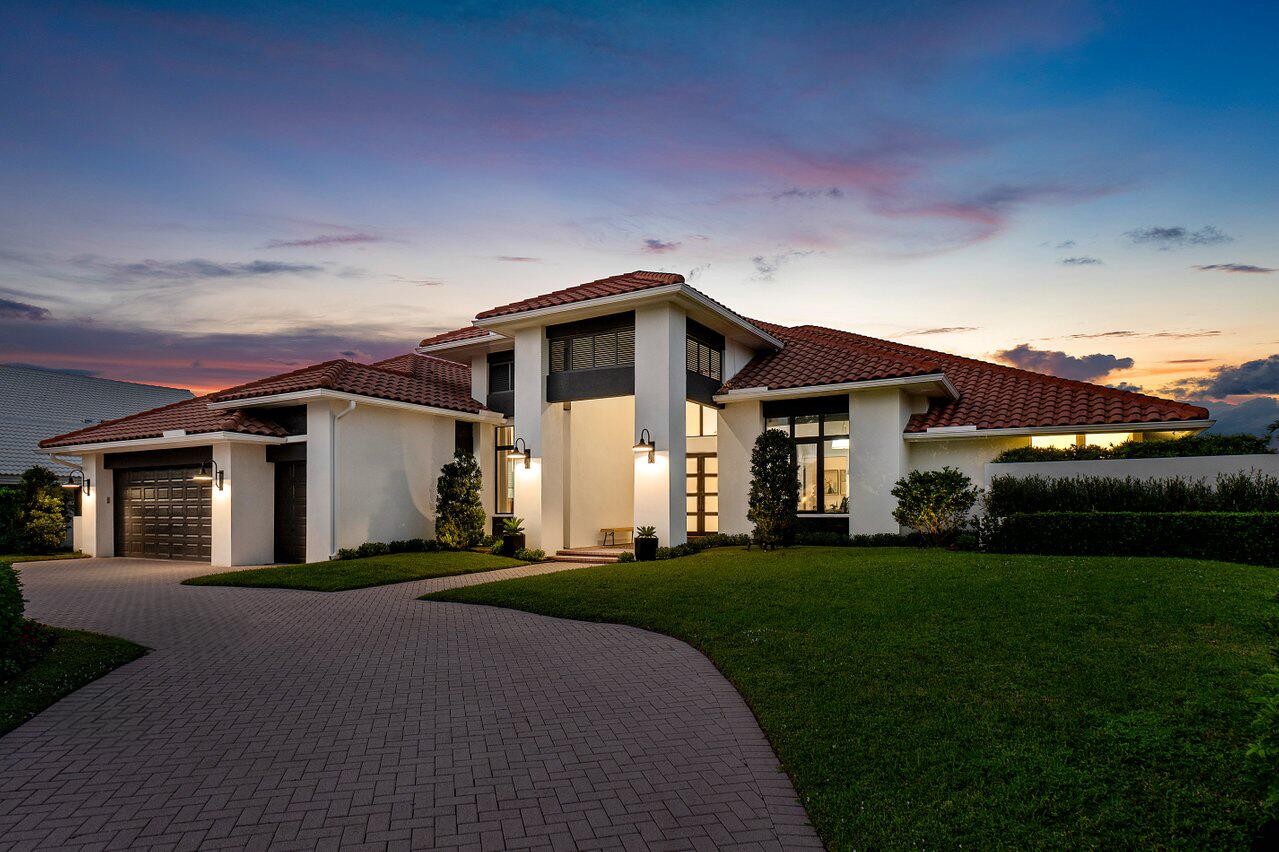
(512, 536)
(645, 544)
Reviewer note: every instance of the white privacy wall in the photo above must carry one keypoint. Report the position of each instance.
(1196, 467)
(602, 467)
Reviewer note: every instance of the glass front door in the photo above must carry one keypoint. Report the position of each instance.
(702, 493)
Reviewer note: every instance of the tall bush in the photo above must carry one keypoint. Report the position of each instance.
(45, 529)
(1189, 445)
(459, 511)
(1236, 492)
(33, 516)
(774, 495)
(11, 608)
(934, 502)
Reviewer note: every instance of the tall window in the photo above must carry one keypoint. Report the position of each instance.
(703, 359)
(699, 420)
(595, 350)
(821, 459)
(501, 376)
(505, 480)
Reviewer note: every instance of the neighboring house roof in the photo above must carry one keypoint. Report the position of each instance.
(466, 333)
(412, 378)
(615, 285)
(35, 403)
(991, 396)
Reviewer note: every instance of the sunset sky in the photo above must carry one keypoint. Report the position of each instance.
(202, 194)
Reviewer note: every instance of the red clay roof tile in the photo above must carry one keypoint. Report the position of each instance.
(191, 415)
(465, 333)
(615, 285)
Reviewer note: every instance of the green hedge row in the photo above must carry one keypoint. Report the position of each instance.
(1235, 492)
(1251, 537)
(1190, 445)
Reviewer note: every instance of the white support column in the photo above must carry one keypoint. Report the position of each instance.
(96, 530)
(539, 489)
(244, 508)
(740, 423)
(879, 457)
(319, 471)
(480, 377)
(660, 392)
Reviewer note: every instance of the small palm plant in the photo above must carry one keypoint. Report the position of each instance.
(645, 544)
(646, 532)
(513, 526)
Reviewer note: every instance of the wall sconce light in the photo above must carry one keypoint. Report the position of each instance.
(645, 445)
(209, 472)
(77, 479)
(516, 453)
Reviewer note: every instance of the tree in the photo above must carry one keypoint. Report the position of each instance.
(45, 529)
(30, 511)
(459, 512)
(774, 493)
(934, 502)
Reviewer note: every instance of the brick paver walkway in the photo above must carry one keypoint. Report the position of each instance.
(283, 719)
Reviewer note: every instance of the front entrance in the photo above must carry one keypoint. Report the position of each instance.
(163, 513)
(290, 511)
(702, 493)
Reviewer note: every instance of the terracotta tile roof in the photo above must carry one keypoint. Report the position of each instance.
(991, 396)
(616, 285)
(419, 379)
(192, 415)
(465, 333)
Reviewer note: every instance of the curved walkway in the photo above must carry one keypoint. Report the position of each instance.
(283, 719)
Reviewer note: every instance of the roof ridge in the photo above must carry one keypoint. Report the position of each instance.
(237, 388)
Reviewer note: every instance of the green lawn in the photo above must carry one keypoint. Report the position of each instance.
(922, 698)
(343, 574)
(75, 659)
(13, 558)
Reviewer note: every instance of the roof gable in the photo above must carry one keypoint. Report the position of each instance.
(614, 285)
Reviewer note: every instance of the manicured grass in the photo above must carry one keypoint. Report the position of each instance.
(921, 698)
(13, 558)
(343, 574)
(76, 658)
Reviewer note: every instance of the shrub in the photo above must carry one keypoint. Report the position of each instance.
(45, 527)
(1190, 445)
(774, 493)
(348, 553)
(459, 512)
(373, 548)
(934, 502)
(11, 618)
(697, 545)
(33, 515)
(10, 520)
(496, 548)
(834, 539)
(1235, 492)
(513, 526)
(1251, 537)
(527, 554)
(626, 556)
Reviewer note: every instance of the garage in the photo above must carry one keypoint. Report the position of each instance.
(161, 512)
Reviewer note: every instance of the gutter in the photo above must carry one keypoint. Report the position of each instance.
(951, 433)
(333, 476)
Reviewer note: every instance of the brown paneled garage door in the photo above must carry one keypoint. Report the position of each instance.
(161, 513)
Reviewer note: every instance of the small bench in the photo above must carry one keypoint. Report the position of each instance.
(608, 535)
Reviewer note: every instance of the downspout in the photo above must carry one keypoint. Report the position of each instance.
(333, 477)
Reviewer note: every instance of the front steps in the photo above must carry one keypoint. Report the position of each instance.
(589, 555)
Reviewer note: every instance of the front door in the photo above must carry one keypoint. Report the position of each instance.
(290, 511)
(702, 493)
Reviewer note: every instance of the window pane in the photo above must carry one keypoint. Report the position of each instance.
(690, 465)
(692, 523)
(690, 354)
(835, 476)
(559, 355)
(582, 353)
(835, 424)
(505, 436)
(606, 349)
(712, 464)
(505, 486)
(779, 423)
(692, 419)
(715, 364)
(1059, 441)
(710, 421)
(808, 477)
(625, 347)
(806, 426)
(712, 523)
(712, 503)
(692, 504)
(703, 359)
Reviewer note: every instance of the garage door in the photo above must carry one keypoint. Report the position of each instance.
(161, 513)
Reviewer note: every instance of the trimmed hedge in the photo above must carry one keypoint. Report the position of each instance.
(1190, 445)
(1251, 537)
(1233, 492)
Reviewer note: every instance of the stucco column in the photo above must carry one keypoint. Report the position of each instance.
(878, 459)
(319, 483)
(96, 530)
(660, 392)
(244, 508)
(540, 491)
(740, 423)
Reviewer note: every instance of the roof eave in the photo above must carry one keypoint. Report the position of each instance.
(482, 342)
(187, 439)
(937, 383)
(483, 416)
(952, 433)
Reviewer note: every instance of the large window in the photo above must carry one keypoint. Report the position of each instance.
(501, 376)
(700, 420)
(821, 459)
(592, 351)
(505, 480)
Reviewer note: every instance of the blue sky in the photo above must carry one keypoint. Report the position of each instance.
(198, 194)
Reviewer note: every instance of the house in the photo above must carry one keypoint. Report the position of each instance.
(631, 400)
(36, 403)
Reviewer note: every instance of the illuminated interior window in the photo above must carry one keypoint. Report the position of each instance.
(1057, 441)
(700, 420)
(1107, 439)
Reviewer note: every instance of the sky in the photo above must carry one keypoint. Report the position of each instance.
(202, 194)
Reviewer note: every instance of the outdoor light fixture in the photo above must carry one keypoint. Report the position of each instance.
(516, 453)
(82, 482)
(645, 445)
(209, 472)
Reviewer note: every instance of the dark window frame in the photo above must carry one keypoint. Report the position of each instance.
(819, 440)
(499, 459)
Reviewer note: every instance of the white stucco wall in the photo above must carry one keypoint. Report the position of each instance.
(602, 467)
(739, 425)
(243, 511)
(878, 457)
(1198, 467)
(95, 533)
(736, 356)
(970, 455)
(660, 391)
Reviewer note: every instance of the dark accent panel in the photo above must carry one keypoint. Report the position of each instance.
(161, 513)
(592, 325)
(807, 405)
(464, 437)
(822, 523)
(276, 453)
(179, 456)
(501, 357)
(291, 418)
(501, 367)
(711, 338)
(701, 388)
(590, 384)
(503, 402)
(290, 511)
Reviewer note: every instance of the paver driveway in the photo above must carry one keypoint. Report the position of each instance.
(272, 718)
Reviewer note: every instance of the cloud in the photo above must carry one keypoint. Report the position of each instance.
(656, 246)
(696, 272)
(766, 266)
(1082, 260)
(514, 258)
(1127, 386)
(1184, 335)
(1065, 244)
(1235, 267)
(326, 240)
(1176, 236)
(190, 270)
(796, 192)
(42, 368)
(945, 329)
(1082, 367)
(10, 309)
(1097, 334)
(1190, 361)
(1252, 416)
(1249, 378)
(1173, 335)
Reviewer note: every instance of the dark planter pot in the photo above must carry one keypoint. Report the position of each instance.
(645, 548)
(512, 543)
